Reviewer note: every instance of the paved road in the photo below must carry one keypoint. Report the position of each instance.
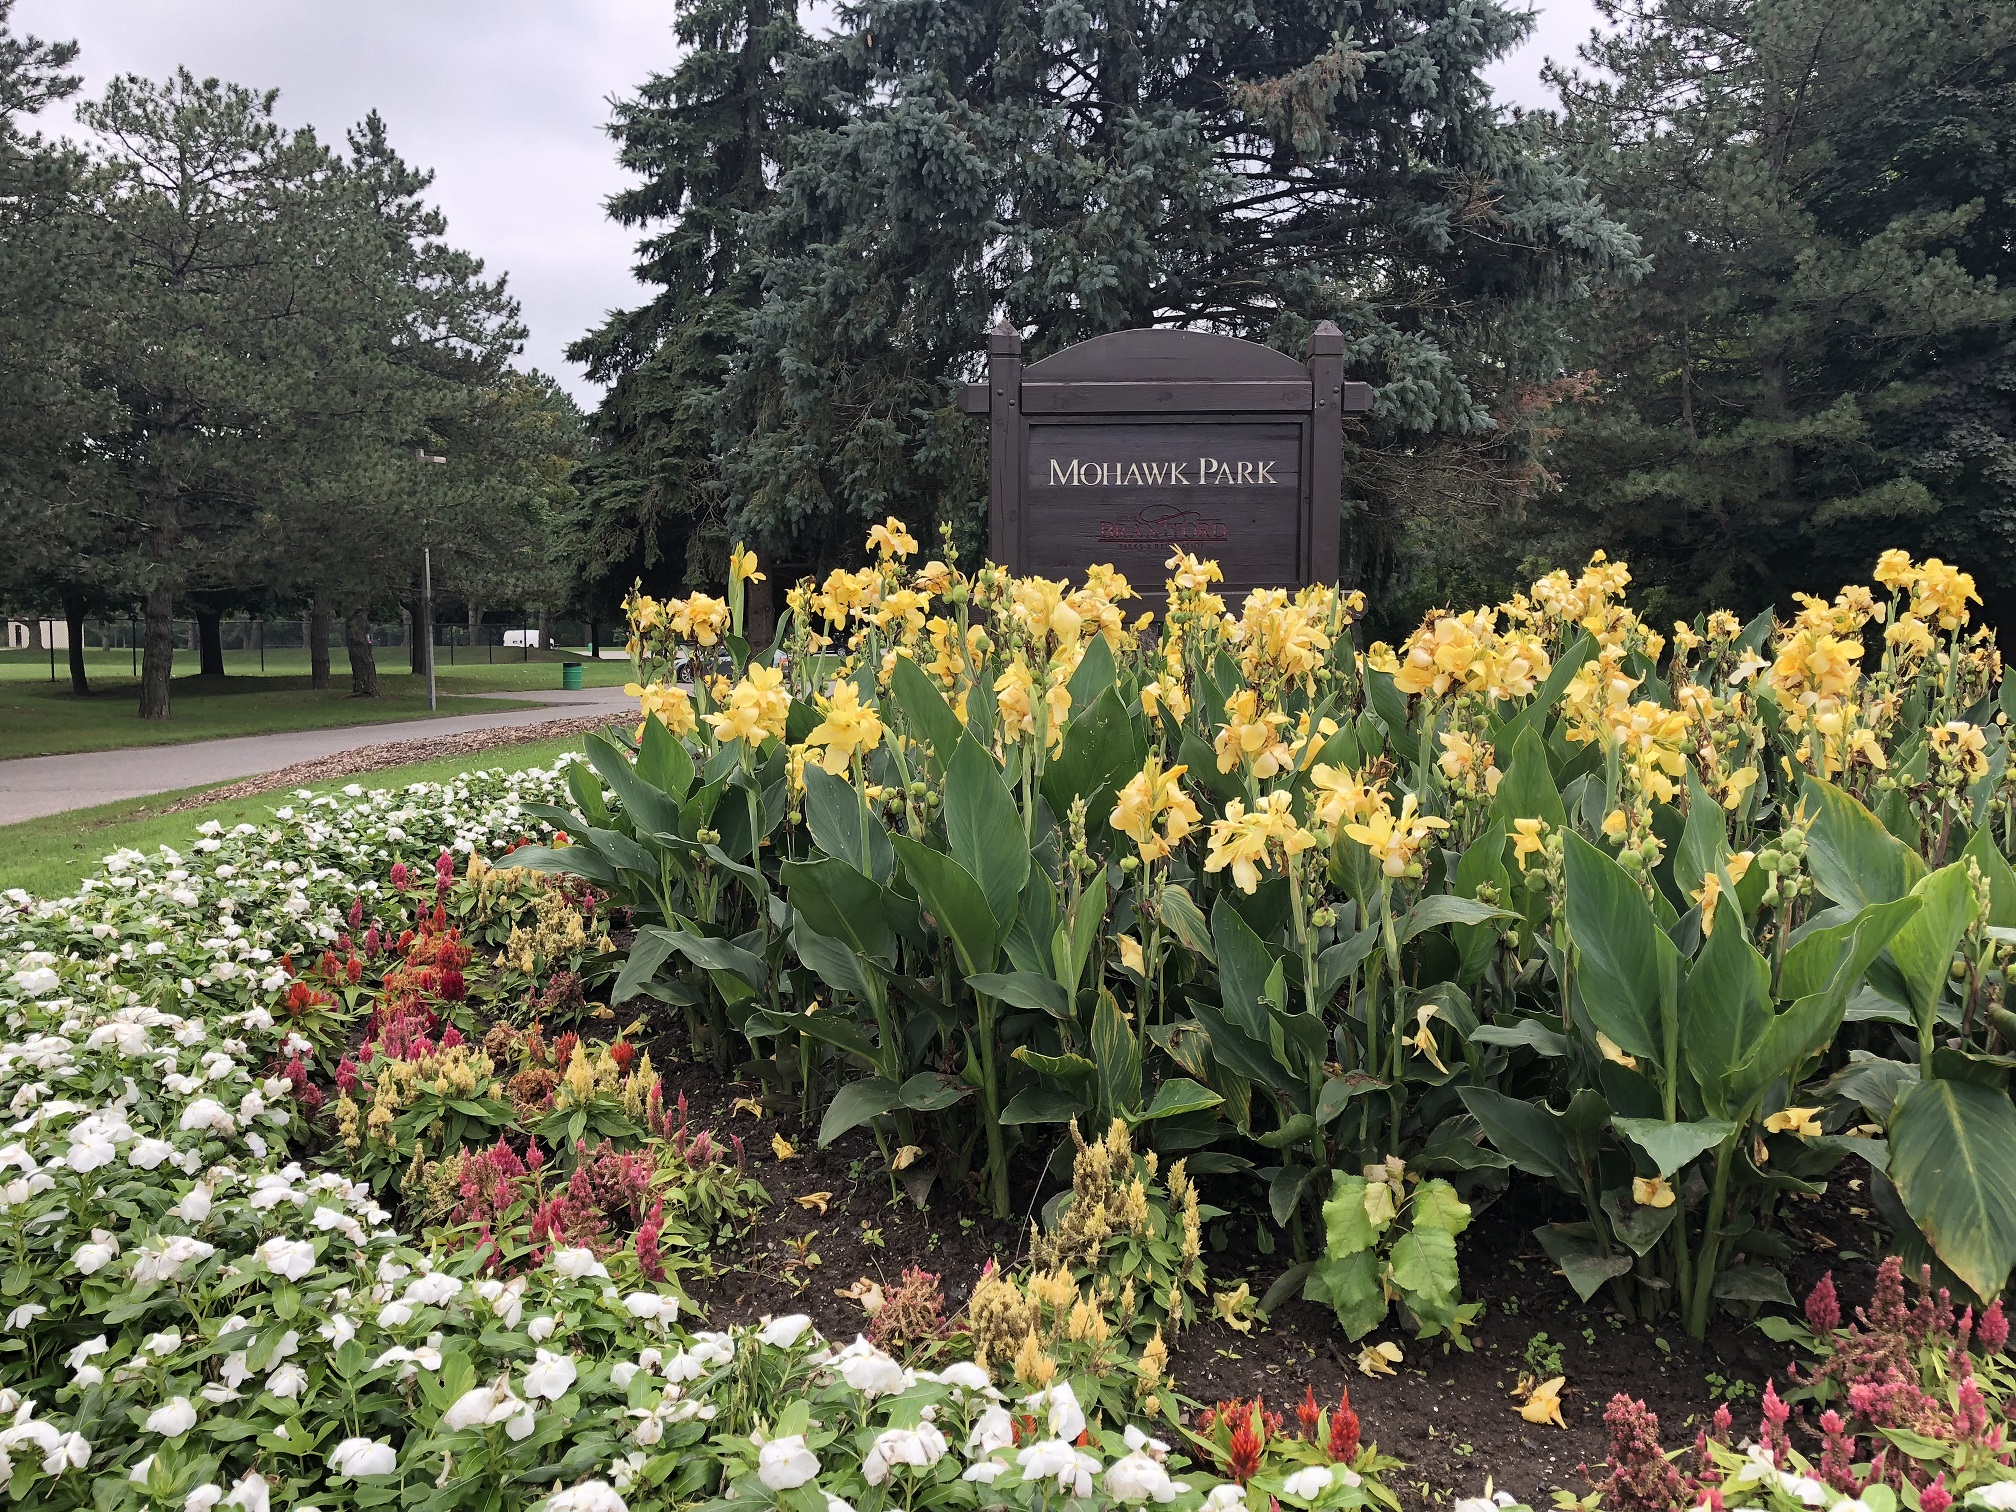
(32, 786)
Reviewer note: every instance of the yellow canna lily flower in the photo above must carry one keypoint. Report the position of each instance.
(1130, 954)
(1528, 839)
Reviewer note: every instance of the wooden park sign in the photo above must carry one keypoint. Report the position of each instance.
(1121, 448)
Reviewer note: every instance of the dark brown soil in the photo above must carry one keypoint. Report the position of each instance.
(1450, 1415)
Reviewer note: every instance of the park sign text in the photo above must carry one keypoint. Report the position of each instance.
(1123, 448)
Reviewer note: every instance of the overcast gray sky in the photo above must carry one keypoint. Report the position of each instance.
(503, 99)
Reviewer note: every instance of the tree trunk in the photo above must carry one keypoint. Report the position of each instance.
(475, 625)
(759, 614)
(73, 616)
(210, 642)
(545, 629)
(416, 657)
(317, 631)
(363, 659)
(157, 660)
(34, 624)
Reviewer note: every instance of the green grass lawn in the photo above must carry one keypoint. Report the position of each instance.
(50, 856)
(39, 718)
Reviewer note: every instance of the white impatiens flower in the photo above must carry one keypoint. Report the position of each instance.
(288, 1382)
(172, 1419)
(292, 1258)
(146, 1154)
(652, 1307)
(395, 1314)
(433, 1289)
(1072, 1468)
(2000, 1496)
(79, 1356)
(579, 1265)
(549, 1376)
(920, 1447)
(25, 1314)
(993, 1430)
(487, 1406)
(95, 1256)
(207, 1113)
(1226, 1498)
(782, 1333)
(358, 1458)
(1308, 1483)
(589, 1496)
(541, 1328)
(868, 1370)
(1139, 1478)
(785, 1463)
(194, 1206)
(1059, 1408)
(252, 1494)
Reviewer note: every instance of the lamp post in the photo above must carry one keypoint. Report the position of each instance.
(427, 597)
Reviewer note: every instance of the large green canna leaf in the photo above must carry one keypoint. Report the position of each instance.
(663, 762)
(1952, 1155)
(649, 809)
(929, 715)
(857, 1103)
(2001, 877)
(949, 891)
(1527, 1135)
(1245, 965)
(839, 902)
(1726, 1009)
(1811, 1022)
(1103, 747)
(1621, 949)
(1527, 790)
(1855, 860)
(1923, 948)
(1672, 1145)
(983, 828)
(841, 825)
(1118, 1055)
(1704, 843)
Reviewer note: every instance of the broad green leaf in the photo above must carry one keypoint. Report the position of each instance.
(956, 900)
(1704, 843)
(855, 1104)
(1186, 921)
(1094, 674)
(926, 710)
(1437, 1206)
(1527, 1135)
(1639, 1227)
(1117, 1053)
(983, 828)
(1438, 909)
(1575, 1248)
(1753, 1283)
(1350, 1285)
(1726, 1008)
(1620, 946)
(1103, 747)
(568, 861)
(1952, 1149)
(712, 953)
(1540, 707)
(1923, 947)
(1180, 1095)
(1023, 989)
(647, 954)
(841, 903)
(1347, 1226)
(842, 827)
(1527, 1034)
(1043, 1105)
(1244, 966)
(1424, 1270)
(1068, 1067)
(2001, 877)
(1854, 859)
(932, 1092)
(1527, 790)
(1671, 1145)
(648, 808)
(586, 789)
(663, 762)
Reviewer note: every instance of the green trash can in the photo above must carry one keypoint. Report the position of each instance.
(570, 676)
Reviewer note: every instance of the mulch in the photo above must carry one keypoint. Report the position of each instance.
(1449, 1414)
(394, 753)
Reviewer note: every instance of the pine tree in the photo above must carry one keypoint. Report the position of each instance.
(1249, 166)
(1819, 364)
(708, 140)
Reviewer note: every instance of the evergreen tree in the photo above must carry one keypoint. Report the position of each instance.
(1820, 363)
(1248, 166)
(708, 140)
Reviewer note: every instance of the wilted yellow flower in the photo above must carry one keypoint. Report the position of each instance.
(1963, 746)
(1611, 1051)
(782, 1148)
(847, 727)
(1423, 1039)
(1379, 1359)
(1153, 795)
(1651, 1191)
(1130, 954)
(1395, 839)
(1543, 1402)
(1805, 1122)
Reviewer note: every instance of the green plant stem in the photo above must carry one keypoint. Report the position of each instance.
(990, 1092)
(1711, 1235)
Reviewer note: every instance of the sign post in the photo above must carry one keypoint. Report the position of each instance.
(1124, 447)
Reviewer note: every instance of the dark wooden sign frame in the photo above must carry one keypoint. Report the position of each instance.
(1185, 429)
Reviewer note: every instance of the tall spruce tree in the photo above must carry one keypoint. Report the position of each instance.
(1820, 363)
(1248, 166)
(708, 140)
